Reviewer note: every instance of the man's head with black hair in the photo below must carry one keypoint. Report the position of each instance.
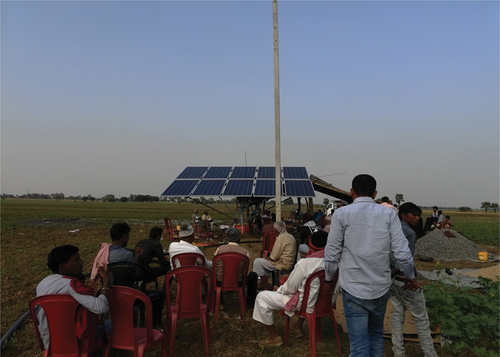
(364, 186)
(155, 233)
(65, 260)
(410, 213)
(119, 233)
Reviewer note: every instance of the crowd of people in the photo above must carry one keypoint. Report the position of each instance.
(366, 246)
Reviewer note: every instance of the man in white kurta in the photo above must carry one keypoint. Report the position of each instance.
(185, 245)
(281, 299)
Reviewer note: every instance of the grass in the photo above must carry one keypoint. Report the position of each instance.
(26, 238)
(480, 227)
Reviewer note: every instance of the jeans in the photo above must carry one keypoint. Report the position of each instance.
(365, 324)
(414, 302)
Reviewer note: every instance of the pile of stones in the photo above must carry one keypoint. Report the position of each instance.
(447, 245)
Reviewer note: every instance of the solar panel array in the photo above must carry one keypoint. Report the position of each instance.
(240, 181)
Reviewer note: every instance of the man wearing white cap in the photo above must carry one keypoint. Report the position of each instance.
(185, 245)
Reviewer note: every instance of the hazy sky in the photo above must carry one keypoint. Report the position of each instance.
(119, 97)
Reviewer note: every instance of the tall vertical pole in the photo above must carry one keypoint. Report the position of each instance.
(277, 111)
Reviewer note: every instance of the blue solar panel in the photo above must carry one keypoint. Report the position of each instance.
(209, 188)
(180, 188)
(243, 172)
(239, 188)
(239, 181)
(266, 188)
(218, 172)
(267, 172)
(295, 173)
(299, 188)
(192, 172)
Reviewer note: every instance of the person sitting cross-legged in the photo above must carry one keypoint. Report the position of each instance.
(282, 256)
(289, 296)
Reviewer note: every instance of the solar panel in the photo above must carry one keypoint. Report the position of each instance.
(218, 172)
(192, 172)
(240, 181)
(239, 188)
(243, 172)
(299, 188)
(209, 188)
(267, 172)
(295, 173)
(265, 188)
(180, 188)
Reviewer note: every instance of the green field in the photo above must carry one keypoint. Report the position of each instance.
(31, 228)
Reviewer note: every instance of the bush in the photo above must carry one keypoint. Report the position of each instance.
(465, 209)
(468, 317)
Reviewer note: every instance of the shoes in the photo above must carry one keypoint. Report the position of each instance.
(298, 333)
(271, 343)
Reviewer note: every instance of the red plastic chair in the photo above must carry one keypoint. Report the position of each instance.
(231, 278)
(186, 259)
(323, 307)
(188, 300)
(267, 244)
(124, 335)
(266, 221)
(169, 229)
(60, 311)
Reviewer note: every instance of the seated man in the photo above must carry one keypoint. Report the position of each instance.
(119, 236)
(115, 251)
(152, 248)
(281, 258)
(281, 299)
(67, 265)
(185, 245)
(233, 235)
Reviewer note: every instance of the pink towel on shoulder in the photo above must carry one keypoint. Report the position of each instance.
(102, 257)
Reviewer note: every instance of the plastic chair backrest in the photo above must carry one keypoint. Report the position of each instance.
(60, 312)
(187, 259)
(268, 243)
(323, 305)
(132, 275)
(232, 276)
(121, 307)
(266, 220)
(169, 229)
(189, 282)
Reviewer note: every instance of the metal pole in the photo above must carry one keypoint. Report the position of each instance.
(277, 111)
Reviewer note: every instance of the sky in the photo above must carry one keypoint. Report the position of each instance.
(118, 97)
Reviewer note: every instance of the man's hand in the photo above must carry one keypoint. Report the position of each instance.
(102, 270)
(411, 285)
(328, 290)
(275, 288)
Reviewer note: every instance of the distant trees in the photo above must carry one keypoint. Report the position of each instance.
(494, 207)
(465, 209)
(326, 201)
(485, 205)
(57, 196)
(399, 198)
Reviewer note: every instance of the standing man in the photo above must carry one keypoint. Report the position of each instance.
(413, 301)
(361, 237)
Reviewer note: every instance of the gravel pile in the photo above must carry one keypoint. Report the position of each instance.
(437, 245)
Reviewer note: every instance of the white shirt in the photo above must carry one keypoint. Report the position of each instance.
(360, 239)
(185, 247)
(57, 284)
(297, 279)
